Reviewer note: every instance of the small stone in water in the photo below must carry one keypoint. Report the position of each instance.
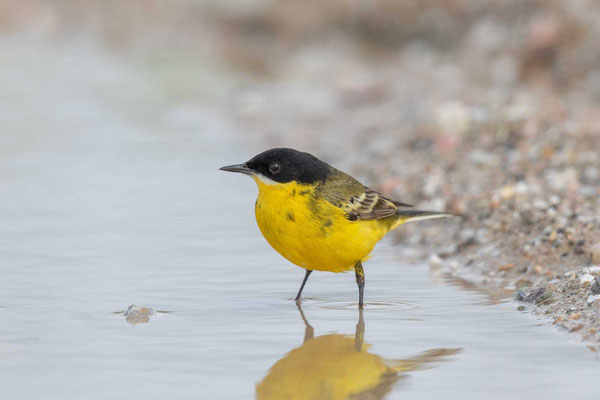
(135, 315)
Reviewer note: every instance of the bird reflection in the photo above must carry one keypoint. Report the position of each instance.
(336, 367)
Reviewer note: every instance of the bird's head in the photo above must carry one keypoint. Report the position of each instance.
(283, 165)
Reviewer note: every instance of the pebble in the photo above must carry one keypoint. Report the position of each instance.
(594, 270)
(507, 192)
(571, 274)
(435, 261)
(135, 314)
(536, 295)
(586, 279)
(521, 187)
(592, 298)
(506, 267)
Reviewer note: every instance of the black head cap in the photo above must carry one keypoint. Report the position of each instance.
(285, 165)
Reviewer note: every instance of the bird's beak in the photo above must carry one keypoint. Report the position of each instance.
(243, 168)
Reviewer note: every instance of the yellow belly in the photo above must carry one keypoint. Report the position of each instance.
(312, 233)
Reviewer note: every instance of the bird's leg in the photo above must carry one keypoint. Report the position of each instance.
(359, 334)
(309, 331)
(360, 281)
(308, 271)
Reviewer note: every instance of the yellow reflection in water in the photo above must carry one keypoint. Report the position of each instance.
(336, 367)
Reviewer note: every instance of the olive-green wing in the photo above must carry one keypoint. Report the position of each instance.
(358, 201)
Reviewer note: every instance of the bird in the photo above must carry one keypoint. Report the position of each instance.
(338, 366)
(318, 217)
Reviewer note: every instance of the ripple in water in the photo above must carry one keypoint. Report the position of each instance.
(308, 303)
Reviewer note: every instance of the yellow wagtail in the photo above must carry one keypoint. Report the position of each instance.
(318, 217)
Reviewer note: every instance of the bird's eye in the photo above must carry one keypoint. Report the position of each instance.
(274, 167)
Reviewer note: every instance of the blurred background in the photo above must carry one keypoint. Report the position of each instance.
(115, 115)
(321, 74)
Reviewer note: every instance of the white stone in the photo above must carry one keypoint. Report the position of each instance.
(571, 273)
(453, 265)
(435, 261)
(521, 187)
(592, 298)
(586, 278)
(594, 270)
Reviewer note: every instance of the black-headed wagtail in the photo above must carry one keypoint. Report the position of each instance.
(318, 217)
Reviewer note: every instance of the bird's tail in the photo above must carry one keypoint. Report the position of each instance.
(421, 215)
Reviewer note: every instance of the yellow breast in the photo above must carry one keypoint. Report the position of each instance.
(311, 232)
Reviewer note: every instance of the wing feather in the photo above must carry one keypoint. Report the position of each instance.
(358, 201)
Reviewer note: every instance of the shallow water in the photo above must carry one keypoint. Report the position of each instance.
(101, 209)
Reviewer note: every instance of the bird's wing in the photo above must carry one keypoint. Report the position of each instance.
(358, 201)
